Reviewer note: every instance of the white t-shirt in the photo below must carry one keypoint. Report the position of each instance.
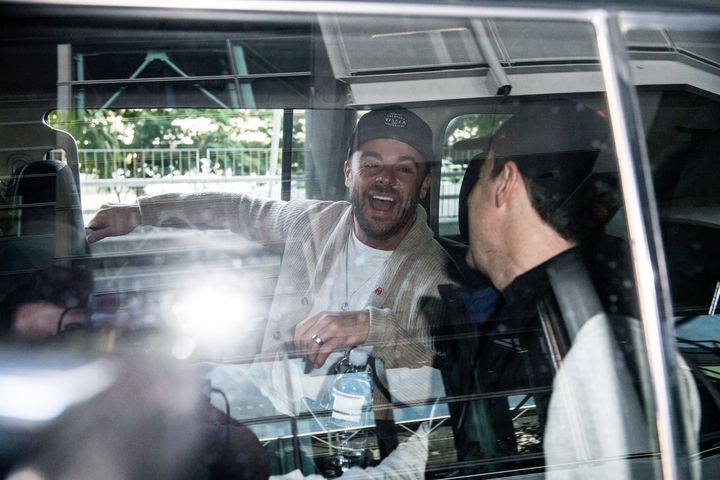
(352, 278)
(350, 281)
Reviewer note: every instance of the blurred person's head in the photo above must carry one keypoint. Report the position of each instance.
(49, 302)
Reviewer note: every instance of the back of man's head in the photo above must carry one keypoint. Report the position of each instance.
(396, 123)
(555, 146)
(63, 287)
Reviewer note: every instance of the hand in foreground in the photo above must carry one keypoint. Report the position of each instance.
(318, 336)
(112, 220)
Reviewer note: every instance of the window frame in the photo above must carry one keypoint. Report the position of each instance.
(638, 194)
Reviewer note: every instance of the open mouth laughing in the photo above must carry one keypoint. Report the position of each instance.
(382, 202)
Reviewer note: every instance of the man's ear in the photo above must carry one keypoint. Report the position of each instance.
(348, 172)
(425, 186)
(507, 183)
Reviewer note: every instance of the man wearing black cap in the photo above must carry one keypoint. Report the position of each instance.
(358, 273)
(556, 336)
(517, 212)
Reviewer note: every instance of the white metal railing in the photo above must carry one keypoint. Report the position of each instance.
(242, 161)
(454, 164)
(126, 163)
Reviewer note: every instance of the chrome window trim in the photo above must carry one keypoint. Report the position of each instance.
(329, 7)
(636, 17)
(642, 221)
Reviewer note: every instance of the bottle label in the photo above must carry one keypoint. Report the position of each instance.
(347, 408)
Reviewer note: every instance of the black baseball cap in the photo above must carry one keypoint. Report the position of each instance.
(555, 144)
(397, 123)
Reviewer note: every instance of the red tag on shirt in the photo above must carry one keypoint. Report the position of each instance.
(378, 291)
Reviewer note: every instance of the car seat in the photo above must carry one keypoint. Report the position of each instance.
(46, 220)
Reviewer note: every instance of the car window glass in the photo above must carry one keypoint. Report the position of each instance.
(127, 153)
(251, 116)
(682, 131)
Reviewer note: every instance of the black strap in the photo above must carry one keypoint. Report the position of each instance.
(385, 429)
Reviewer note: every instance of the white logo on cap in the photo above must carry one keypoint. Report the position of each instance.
(395, 120)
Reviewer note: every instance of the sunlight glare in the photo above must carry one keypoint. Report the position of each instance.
(210, 316)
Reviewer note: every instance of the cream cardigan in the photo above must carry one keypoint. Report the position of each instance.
(401, 310)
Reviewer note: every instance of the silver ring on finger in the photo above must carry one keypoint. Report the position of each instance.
(316, 338)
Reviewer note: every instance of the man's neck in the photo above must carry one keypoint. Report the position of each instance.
(526, 252)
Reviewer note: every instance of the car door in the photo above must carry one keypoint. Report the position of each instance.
(260, 100)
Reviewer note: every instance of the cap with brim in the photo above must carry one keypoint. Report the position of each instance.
(397, 123)
(555, 145)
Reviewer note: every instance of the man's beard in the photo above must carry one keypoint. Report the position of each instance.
(384, 233)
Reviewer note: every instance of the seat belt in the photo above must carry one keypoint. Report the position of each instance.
(574, 291)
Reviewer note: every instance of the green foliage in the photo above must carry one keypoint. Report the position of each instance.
(164, 128)
(475, 126)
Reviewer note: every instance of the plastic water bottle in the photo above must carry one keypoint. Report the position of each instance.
(352, 400)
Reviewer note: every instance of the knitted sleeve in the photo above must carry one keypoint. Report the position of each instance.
(255, 218)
